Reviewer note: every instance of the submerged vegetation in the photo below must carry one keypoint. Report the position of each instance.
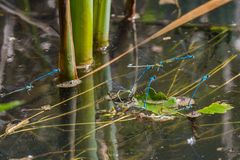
(10, 105)
(144, 98)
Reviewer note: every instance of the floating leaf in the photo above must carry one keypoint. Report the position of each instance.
(171, 102)
(216, 108)
(10, 105)
(152, 95)
(165, 107)
(156, 95)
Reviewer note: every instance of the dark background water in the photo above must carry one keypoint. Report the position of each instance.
(27, 51)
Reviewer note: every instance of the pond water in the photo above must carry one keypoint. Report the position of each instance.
(73, 128)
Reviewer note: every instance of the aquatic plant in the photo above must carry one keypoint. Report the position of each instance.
(216, 107)
(10, 105)
(101, 22)
(67, 60)
(153, 105)
(82, 25)
(193, 14)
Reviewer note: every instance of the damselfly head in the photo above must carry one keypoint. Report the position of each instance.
(56, 70)
(189, 56)
(2, 95)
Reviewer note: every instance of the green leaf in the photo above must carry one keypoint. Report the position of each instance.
(171, 102)
(216, 108)
(156, 96)
(152, 95)
(166, 107)
(9, 105)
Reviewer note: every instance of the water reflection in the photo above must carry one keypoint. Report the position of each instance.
(7, 50)
(228, 142)
(85, 143)
(107, 139)
(68, 138)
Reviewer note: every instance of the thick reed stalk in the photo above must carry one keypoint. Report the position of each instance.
(101, 17)
(67, 55)
(82, 23)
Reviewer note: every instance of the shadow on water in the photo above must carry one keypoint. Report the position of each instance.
(73, 128)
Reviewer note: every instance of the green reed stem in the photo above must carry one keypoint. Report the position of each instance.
(101, 22)
(26, 5)
(67, 55)
(82, 23)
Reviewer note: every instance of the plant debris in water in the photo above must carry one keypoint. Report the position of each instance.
(13, 127)
(159, 108)
(69, 84)
(46, 107)
(30, 157)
